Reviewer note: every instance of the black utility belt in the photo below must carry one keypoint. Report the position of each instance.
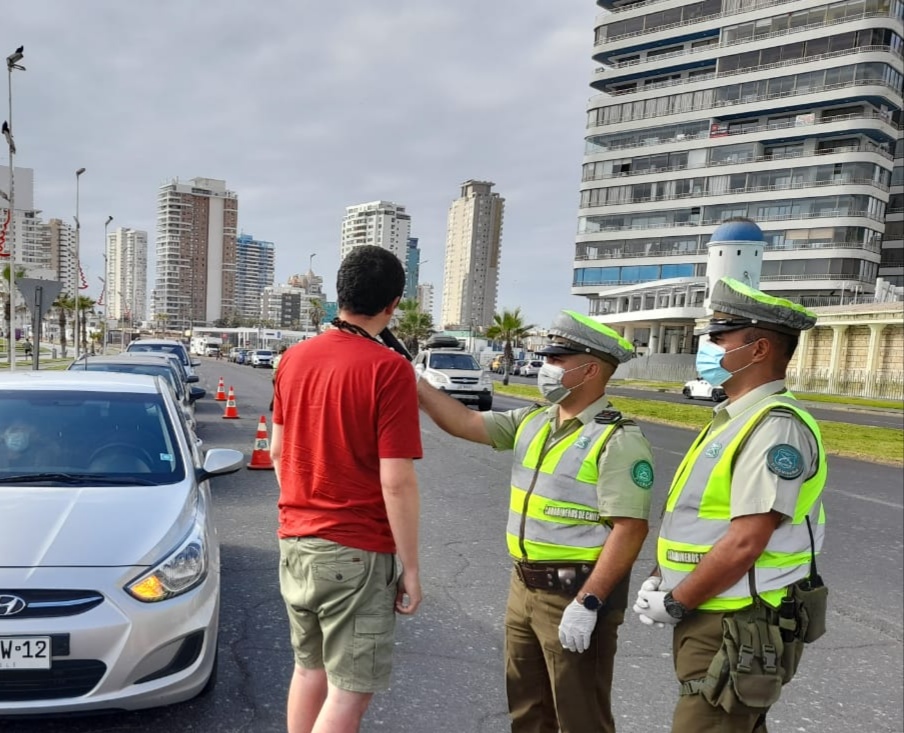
(557, 577)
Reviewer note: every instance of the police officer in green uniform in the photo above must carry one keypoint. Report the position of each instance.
(742, 525)
(580, 500)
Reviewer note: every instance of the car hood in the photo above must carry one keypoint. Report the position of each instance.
(91, 527)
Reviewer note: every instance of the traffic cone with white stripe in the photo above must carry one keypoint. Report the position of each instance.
(231, 412)
(260, 456)
(221, 391)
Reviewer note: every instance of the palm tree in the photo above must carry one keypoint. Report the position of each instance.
(509, 327)
(85, 304)
(413, 325)
(64, 305)
(318, 311)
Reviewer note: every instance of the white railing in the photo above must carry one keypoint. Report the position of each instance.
(850, 383)
(619, 255)
(832, 213)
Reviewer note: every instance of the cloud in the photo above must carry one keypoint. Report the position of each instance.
(305, 108)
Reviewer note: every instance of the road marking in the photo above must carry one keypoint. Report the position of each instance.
(868, 498)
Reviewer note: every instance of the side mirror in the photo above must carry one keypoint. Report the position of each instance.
(196, 393)
(192, 378)
(219, 462)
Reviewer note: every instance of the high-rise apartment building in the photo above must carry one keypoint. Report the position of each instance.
(473, 248)
(381, 223)
(30, 232)
(60, 238)
(196, 231)
(891, 268)
(425, 298)
(412, 264)
(784, 112)
(291, 306)
(127, 275)
(254, 266)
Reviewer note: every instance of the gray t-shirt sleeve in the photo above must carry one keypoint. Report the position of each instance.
(502, 426)
(778, 445)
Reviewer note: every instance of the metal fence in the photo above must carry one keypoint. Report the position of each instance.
(659, 368)
(850, 383)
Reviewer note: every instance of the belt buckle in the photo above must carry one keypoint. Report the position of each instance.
(567, 578)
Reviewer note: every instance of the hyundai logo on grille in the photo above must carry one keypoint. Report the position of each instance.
(11, 605)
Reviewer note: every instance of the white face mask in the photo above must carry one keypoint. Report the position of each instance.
(549, 382)
(16, 440)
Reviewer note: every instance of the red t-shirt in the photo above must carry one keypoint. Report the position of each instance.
(344, 403)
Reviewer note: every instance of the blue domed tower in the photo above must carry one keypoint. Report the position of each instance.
(735, 250)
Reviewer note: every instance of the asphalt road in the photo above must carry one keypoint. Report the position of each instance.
(448, 674)
(853, 416)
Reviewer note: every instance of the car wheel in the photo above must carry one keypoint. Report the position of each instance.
(485, 403)
(212, 680)
(686, 392)
(719, 395)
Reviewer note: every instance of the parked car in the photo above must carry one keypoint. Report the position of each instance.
(700, 389)
(262, 358)
(109, 560)
(170, 346)
(516, 367)
(531, 368)
(455, 372)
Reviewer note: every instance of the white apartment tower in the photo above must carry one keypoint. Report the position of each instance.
(380, 223)
(126, 276)
(473, 248)
(30, 232)
(782, 111)
(196, 252)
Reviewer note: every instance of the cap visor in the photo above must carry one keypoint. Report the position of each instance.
(718, 328)
(554, 349)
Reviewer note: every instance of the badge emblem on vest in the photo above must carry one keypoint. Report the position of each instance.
(785, 461)
(713, 450)
(582, 443)
(642, 474)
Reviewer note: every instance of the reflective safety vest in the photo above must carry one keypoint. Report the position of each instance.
(698, 513)
(553, 509)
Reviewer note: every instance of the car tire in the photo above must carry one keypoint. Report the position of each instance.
(485, 403)
(686, 392)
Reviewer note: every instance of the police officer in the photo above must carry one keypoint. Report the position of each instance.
(580, 500)
(743, 521)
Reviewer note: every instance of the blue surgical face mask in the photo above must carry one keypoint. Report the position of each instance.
(709, 362)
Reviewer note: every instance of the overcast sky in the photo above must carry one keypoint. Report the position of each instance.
(305, 108)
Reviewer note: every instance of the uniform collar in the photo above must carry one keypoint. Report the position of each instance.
(584, 416)
(728, 409)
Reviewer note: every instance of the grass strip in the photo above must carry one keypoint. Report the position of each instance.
(864, 442)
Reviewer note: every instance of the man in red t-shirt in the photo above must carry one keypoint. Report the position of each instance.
(345, 435)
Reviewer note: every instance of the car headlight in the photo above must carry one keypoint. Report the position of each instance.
(486, 379)
(177, 573)
(438, 378)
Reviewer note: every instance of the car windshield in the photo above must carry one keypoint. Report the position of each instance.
(176, 349)
(454, 361)
(80, 438)
(154, 370)
(263, 352)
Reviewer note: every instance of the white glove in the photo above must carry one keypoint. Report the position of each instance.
(577, 627)
(651, 583)
(650, 608)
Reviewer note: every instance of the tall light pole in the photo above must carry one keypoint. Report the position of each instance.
(12, 63)
(311, 262)
(106, 280)
(78, 234)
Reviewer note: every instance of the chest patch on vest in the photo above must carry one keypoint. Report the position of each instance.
(607, 417)
(785, 461)
(713, 450)
(582, 442)
(642, 474)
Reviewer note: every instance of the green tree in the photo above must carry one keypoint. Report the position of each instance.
(413, 325)
(508, 327)
(64, 306)
(318, 311)
(85, 304)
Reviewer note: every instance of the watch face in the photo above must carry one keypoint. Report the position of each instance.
(591, 602)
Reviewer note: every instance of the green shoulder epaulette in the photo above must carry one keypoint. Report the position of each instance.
(607, 417)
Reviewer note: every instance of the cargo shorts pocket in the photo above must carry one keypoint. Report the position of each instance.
(373, 643)
(348, 574)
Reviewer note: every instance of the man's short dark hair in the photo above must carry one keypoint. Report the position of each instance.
(369, 279)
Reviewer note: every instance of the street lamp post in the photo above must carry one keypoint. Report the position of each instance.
(78, 229)
(12, 63)
(311, 262)
(106, 280)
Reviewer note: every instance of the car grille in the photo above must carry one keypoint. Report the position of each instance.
(51, 603)
(67, 678)
(464, 380)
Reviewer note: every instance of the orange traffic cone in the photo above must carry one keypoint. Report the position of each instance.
(231, 412)
(260, 456)
(221, 392)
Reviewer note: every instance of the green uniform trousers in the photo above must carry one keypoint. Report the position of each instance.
(551, 689)
(694, 644)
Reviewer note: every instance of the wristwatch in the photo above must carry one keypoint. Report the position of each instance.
(589, 601)
(675, 609)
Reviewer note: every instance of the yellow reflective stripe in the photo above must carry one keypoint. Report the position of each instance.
(770, 559)
(663, 547)
(530, 416)
(536, 505)
(736, 603)
(543, 552)
(684, 467)
(555, 453)
(535, 449)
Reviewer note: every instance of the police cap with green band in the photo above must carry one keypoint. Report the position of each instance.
(573, 333)
(736, 305)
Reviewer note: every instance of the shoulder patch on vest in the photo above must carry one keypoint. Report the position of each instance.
(642, 474)
(785, 461)
(607, 417)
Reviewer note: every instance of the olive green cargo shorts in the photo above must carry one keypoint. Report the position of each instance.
(341, 606)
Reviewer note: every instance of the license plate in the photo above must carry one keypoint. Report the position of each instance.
(24, 652)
